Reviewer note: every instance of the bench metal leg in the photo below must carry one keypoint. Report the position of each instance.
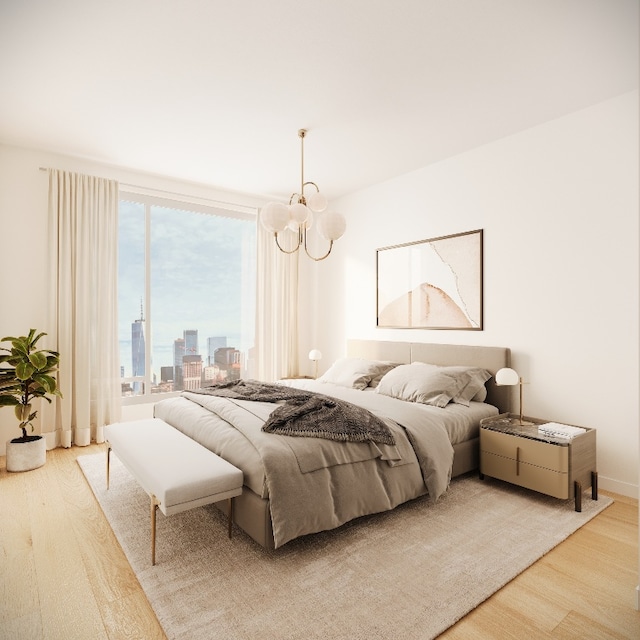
(154, 509)
(230, 515)
(108, 461)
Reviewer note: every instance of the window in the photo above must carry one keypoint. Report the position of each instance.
(186, 295)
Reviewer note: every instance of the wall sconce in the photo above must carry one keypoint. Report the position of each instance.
(298, 216)
(509, 377)
(315, 355)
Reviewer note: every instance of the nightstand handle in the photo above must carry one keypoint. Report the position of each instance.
(517, 461)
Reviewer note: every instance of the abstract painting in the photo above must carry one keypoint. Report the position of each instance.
(431, 284)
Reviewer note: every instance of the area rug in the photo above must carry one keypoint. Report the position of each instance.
(408, 573)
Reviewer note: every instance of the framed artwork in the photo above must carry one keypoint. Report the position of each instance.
(431, 284)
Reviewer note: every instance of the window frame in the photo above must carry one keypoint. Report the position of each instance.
(179, 203)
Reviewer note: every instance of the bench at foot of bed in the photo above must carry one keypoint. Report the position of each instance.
(177, 472)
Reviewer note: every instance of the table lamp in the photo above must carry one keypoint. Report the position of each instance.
(509, 377)
(315, 355)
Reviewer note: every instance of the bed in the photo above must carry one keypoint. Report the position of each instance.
(295, 486)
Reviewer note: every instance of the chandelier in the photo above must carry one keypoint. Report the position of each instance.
(298, 216)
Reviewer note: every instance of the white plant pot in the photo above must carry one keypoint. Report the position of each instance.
(24, 456)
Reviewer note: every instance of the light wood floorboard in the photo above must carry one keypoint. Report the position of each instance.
(63, 573)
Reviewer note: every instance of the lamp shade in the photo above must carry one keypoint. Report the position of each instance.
(317, 202)
(299, 213)
(314, 354)
(507, 376)
(332, 226)
(274, 216)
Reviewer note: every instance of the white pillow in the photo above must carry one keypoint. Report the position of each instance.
(356, 373)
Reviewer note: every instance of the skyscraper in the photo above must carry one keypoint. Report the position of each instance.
(214, 343)
(138, 350)
(228, 359)
(191, 372)
(191, 342)
(178, 354)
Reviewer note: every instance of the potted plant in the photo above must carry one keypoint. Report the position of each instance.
(26, 373)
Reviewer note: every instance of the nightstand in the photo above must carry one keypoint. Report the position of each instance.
(523, 455)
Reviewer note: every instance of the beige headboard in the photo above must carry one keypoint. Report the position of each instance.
(490, 358)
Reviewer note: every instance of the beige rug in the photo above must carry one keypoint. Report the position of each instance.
(409, 573)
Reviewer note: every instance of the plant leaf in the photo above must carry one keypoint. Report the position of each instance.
(38, 359)
(46, 382)
(24, 370)
(33, 340)
(22, 412)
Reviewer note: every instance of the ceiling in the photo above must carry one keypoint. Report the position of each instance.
(214, 91)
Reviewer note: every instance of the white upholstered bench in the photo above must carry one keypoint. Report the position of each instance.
(176, 471)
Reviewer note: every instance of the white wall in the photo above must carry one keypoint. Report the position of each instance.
(559, 207)
(24, 240)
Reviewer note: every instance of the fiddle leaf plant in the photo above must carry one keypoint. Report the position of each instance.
(27, 372)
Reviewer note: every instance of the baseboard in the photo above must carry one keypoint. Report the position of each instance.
(623, 488)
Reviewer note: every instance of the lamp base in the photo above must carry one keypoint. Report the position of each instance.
(515, 421)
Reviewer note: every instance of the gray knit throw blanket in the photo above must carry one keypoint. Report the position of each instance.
(305, 413)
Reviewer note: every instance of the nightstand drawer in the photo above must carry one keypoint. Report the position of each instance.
(527, 451)
(547, 481)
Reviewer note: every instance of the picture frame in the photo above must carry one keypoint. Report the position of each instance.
(431, 284)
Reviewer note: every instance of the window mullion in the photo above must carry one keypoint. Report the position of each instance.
(147, 296)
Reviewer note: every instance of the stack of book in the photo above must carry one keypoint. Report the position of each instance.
(557, 430)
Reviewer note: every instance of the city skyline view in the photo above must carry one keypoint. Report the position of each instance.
(200, 272)
(162, 356)
(193, 364)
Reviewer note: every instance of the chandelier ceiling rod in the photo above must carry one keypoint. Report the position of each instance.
(301, 135)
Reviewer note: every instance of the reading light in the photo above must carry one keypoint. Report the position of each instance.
(298, 216)
(315, 355)
(509, 377)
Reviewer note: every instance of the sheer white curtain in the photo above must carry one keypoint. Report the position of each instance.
(276, 310)
(83, 309)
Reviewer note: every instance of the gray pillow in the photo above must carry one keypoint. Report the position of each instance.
(433, 385)
(424, 383)
(474, 389)
(481, 396)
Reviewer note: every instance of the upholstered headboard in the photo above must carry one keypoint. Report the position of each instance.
(490, 358)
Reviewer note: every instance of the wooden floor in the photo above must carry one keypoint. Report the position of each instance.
(63, 574)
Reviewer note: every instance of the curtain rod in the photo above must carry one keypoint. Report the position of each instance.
(177, 196)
